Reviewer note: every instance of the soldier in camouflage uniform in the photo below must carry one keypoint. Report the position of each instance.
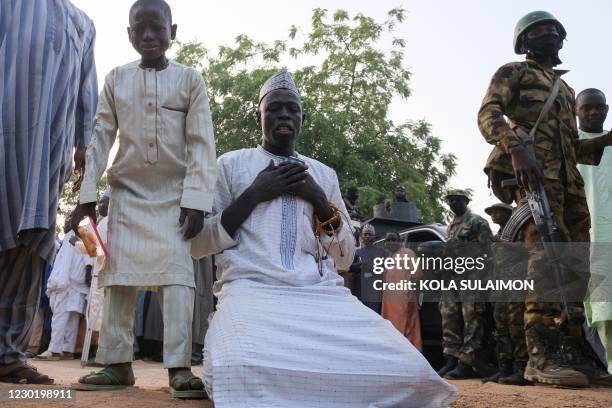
(462, 322)
(518, 92)
(509, 331)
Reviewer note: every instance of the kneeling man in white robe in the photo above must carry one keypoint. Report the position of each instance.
(286, 332)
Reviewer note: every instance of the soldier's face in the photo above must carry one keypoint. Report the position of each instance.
(500, 217)
(592, 111)
(543, 29)
(544, 38)
(457, 204)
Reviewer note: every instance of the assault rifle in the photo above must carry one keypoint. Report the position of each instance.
(550, 233)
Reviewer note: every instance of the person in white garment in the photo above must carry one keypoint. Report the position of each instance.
(592, 111)
(67, 289)
(96, 293)
(162, 182)
(286, 332)
(95, 299)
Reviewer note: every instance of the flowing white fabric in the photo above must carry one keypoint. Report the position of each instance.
(286, 332)
(598, 188)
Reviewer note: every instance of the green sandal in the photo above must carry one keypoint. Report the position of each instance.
(189, 393)
(114, 385)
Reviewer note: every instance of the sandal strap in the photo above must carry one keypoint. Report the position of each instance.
(113, 379)
(183, 378)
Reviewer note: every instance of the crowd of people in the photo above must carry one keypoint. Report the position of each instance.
(285, 330)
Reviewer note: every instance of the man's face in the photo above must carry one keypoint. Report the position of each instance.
(499, 216)
(367, 237)
(400, 192)
(150, 31)
(103, 207)
(392, 243)
(457, 204)
(592, 111)
(280, 117)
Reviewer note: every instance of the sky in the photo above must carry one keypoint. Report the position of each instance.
(452, 50)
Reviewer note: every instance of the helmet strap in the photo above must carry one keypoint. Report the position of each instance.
(542, 58)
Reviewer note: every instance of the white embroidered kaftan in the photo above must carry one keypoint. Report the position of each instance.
(285, 336)
(166, 160)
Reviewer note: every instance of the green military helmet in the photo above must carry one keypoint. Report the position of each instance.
(530, 20)
(499, 206)
(456, 192)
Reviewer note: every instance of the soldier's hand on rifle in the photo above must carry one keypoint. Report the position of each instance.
(528, 174)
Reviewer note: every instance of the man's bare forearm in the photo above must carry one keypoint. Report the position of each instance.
(238, 211)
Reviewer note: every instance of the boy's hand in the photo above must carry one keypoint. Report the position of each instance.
(195, 222)
(81, 211)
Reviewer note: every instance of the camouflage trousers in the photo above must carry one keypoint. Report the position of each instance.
(509, 331)
(572, 214)
(462, 326)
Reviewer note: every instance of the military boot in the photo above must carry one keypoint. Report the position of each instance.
(451, 363)
(461, 372)
(579, 355)
(546, 364)
(505, 369)
(516, 377)
(483, 368)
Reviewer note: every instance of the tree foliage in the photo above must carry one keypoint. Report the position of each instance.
(357, 70)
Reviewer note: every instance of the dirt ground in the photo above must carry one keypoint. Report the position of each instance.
(151, 391)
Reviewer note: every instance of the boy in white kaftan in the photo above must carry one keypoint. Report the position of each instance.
(286, 332)
(162, 164)
(162, 179)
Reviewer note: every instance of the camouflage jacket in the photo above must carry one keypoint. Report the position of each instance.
(518, 91)
(469, 235)
(470, 227)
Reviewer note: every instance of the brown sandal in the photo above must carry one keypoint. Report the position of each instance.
(25, 374)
